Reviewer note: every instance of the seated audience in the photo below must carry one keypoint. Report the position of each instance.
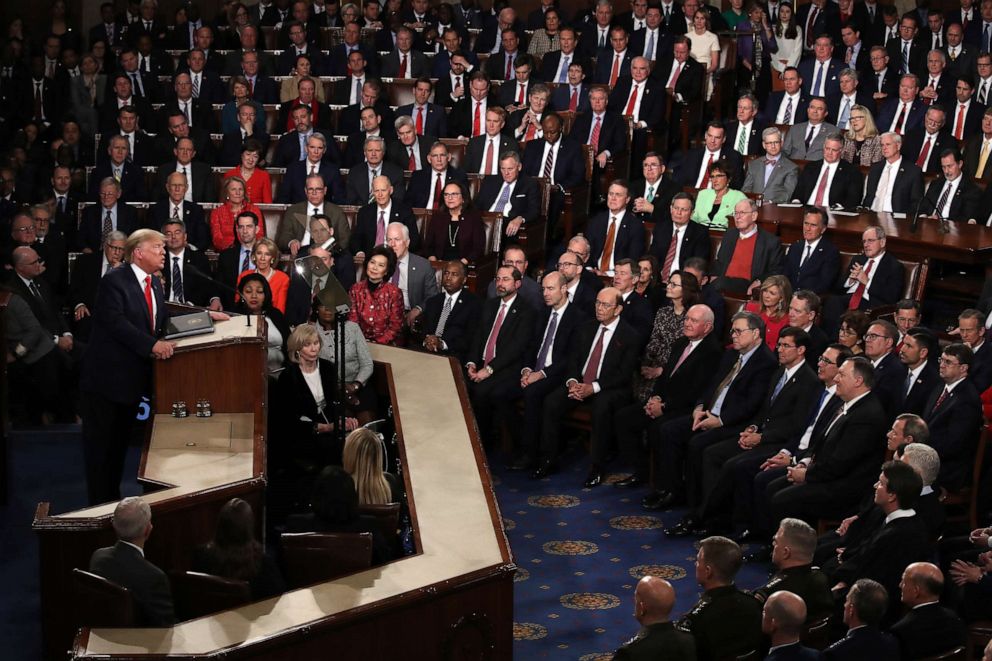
(293, 234)
(681, 292)
(830, 182)
(265, 255)
(364, 456)
(98, 221)
(792, 556)
(775, 175)
(257, 182)
(954, 417)
(658, 638)
(748, 254)
(862, 145)
(813, 262)
(255, 298)
(874, 278)
(176, 207)
(928, 629)
(456, 231)
(772, 306)
(459, 309)
(377, 303)
(614, 234)
(782, 621)
(864, 607)
(222, 218)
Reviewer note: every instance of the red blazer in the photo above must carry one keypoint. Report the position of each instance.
(259, 185)
(278, 283)
(379, 314)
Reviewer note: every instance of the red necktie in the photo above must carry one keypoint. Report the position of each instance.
(924, 153)
(592, 366)
(251, 88)
(940, 400)
(573, 102)
(477, 122)
(412, 164)
(531, 130)
(900, 123)
(509, 68)
(615, 72)
(490, 353)
(420, 120)
(594, 138)
(821, 190)
(402, 73)
(607, 256)
(959, 123)
(673, 245)
(675, 76)
(437, 192)
(488, 169)
(629, 110)
(860, 291)
(520, 94)
(810, 20)
(148, 301)
(705, 181)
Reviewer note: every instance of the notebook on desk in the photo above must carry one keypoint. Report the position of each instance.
(186, 325)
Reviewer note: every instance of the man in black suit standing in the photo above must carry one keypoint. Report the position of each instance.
(906, 52)
(677, 238)
(603, 357)
(813, 262)
(894, 185)
(559, 158)
(233, 142)
(498, 348)
(652, 196)
(176, 207)
(603, 128)
(864, 608)
(615, 234)
(746, 236)
(831, 182)
(954, 196)
(639, 97)
(429, 119)
(874, 278)
(185, 276)
(516, 198)
(928, 628)
(201, 186)
(544, 368)
(467, 118)
(788, 106)
(99, 220)
(124, 563)
(86, 274)
(890, 374)
(130, 178)
(954, 416)
(450, 317)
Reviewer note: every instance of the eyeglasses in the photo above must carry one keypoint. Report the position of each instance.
(562, 265)
(946, 361)
(37, 261)
(875, 336)
(734, 332)
(825, 361)
(453, 194)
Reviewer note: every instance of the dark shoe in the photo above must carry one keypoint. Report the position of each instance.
(524, 463)
(631, 481)
(762, 553)
(594, 478)
(545, 469)
(683, 528)
(659, 500)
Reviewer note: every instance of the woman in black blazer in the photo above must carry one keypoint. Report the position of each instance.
(456, 230)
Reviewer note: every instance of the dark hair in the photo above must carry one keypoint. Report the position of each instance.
(798, 335)
(251, 144)
(909, 304)
(234, 550)
(242, 306)
(249, 214)
(870, 601)
(690, 288)
(425, 79)
(810, 298)
(904, 482)
(863, 369)
(724, 555)
(651, 259)
(810, 210)
(962, 352)
(843, 353)
(334, 498)
(857, 321)
(926, 339)
(390, 256)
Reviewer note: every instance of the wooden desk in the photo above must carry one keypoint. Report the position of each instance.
(452, 600)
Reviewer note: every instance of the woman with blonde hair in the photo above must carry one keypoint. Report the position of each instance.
(363, 458)
(773, 307)
(862, 144)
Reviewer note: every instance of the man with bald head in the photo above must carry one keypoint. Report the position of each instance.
(603, 357)
(658, 638)
(449, 317)
(928, 629)
(782, 621)
(544, 367)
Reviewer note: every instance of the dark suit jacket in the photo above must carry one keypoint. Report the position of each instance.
(862, 97)
(629, 240)
(917, 59)
(90, 231)
(357, 186)
(200, 180)
(807, 70)
(863, 644)
(132, 182)
(819, 272)
(460, 325)
(549, 67)
(954, 428)
(48, 311)
(969, 201)
(681, 388)
(923, 387)
(511, 345)
(569, 170)
(907, 187)
(929, 630)
(293, 186)
(890, 383)
(793, 652)
(231, 144)
(754, 147)
(322, 114)
(203, 115)
(772, 102)
(462, 114)
(398, 155)
(695, 242)
(288, 150)
(108, 112)
(619, 360)
(912, 145)
(748, 389)
(573, 318)
(687, 168)
(652, 110)
(980, 372)
(197, 226)
(561, 96)
(144, 153)
(122, 340)
(363, 234)
(86, 274)
(767, 258)
(435, 118)
(886, 285)
(339, 60)
(475, 152)
(658, 641)
(126, 566)
(845, 189)
(887, 114)
(198, 287)
(419, 188)
(972, 153)
(779, 418)
(349, 121)
(604, 66)
(525, 200)
(827, 20)
(416, 64)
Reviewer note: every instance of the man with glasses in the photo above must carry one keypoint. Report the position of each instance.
(883, 82)
(924, 144)
(182, 160)
(427, 184)
(894, 184)
(813, 262)
(918, 345)
(28, 283)
(954, 417)
(577, 290)
(774, 176)
(651, 196)
(460, 309)
(748, 254)
(978, 150)
(983, 82)
(890, 373)
(971, 329)
(86, 274)
(176, 206)
(100, 220)
(294, 227)
(414, 275)
(676, 238)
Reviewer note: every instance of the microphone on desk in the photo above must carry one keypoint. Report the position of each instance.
(189, 268)
(934, 210)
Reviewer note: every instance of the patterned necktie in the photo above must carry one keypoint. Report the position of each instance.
(504, 198)
(563, 74)
(650, 194)
(595, 358)
(943, 199)
(196, 86)
(673, 246)
(245, 264)
(108, 225)
(742, 143)
(905, 57)
(36, 291)
(177, 281)
(443, 319)
(940, 400)
(549, 338)
(438, 185)
(859, 293)
(549, 164)
(611, 235)
(380, 228)
(649, 49)
(787, 117)
(594, 138)
(727, 380)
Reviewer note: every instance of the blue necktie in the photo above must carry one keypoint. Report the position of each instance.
(563, 76)
(987, 38)
(504, 197)
(549, 337)
(779, 386)
(818, 80)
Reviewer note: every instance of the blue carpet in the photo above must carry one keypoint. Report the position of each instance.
(580, 552)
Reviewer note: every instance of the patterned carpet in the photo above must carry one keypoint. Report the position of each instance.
(580, 552)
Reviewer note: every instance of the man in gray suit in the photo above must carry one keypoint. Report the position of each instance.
(414, 275)
(774, 176)
(805, 140)
(294, 227)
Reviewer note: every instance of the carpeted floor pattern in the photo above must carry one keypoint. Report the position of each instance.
(580, 552)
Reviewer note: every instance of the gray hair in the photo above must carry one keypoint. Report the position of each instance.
(924, 460)
(319, 137)
(116, 235)
(403, 120)
(850, 73)
(879, 231)
(800, 536)
(131, 516)
(375, 138)
(915, 426)
(771, 131)
(892, 134)
(111, 181)
(403, 228)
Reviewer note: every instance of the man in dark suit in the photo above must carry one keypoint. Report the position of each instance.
(782, 621)
(651, 197)
(954, 196)
(410, 151)
(232, 261)
(866, 286)
(292, 146)
(894, 184)
(404, 61)
(299, 46)
(765, 252)
(371, 126)
(573, 94)
(555, 64)
(124, 564)
(111, 213)
(928, 628)
(980, 141)
(87, 271)
(831, 182)
(358, 188)
(795, 544)
(467, 117)
(107, 29)
(789, 105)
(233, 142)
(961, 57)
(176, 206)
(746, 130)
(615, 234)
(120, 95)
(202, 187)
(559, 156)
(864, 608)
(693, 168)
(306, 96)
(821, 72)
(185, 277)
(293, 187)
(582, 285)
(658, 638)
(455, 40)
(641, 98)
(206, 82)
(924, 144)
(813, 262)
(141, 146)
(905, 112)
(890, 374)
(735, 391)
(599, 370)
(350, 119)
(954, 416)
(426, 186)
(351, 42)
(907, 53)
(816, 18)
(428, 118)
(965, 113)
(483, 151)
(545, 366)
(66, 203)
(374, 217)
(197, 112)
(678, 238)
(971, 326)
(613, 63)
(851, 94)
(450, 317)
(918, 352)
(517, 198)
(498, 347)
(125, 332)
(654, 38)
(143, 84)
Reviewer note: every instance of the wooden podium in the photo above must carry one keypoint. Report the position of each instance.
(189, 467)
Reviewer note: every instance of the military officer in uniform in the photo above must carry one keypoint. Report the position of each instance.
(792, 554)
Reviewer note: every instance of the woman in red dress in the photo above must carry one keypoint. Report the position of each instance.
(376, 303)
(222, 218)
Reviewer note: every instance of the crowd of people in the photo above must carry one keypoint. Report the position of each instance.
(826, 396)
